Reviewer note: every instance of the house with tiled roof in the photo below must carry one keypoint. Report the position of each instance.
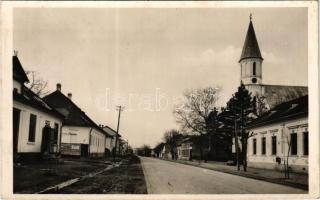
(81, 136)
(111, 141)
(281, 135)
(36, 125)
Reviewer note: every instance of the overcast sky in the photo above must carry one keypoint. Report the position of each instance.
(135, 57)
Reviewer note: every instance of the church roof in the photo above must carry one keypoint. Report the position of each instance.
(277, 94)
(250, 47)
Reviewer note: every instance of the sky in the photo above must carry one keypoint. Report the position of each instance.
(144, 59)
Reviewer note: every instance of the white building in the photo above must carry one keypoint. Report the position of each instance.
(36, 125)
(80, 135)
(285, 124)
(111, 141)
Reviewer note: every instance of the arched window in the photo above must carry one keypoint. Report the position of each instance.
(254, 69)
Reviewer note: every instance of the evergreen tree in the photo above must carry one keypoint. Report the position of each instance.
(242, 107)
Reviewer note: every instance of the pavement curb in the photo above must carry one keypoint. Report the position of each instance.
(296, 185)
(145, 177)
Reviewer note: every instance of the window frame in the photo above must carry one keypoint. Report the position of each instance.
(32, 128)
(263, 145)
(274, 145)
(254, 69)
(254, 146)
(294, 153)
(305, 150)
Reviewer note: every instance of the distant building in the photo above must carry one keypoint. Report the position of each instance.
(251, 75)
(158, 149)
(36, 125)
(80, 135)
(285, 124)
(188, 147)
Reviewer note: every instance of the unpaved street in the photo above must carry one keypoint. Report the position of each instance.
(165, 177)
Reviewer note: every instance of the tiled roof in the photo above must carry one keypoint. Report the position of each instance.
(18, 73)
(110, 131)
(250, 47)
(285, 111)
(277, 94)
(31, 99)
(74, 116)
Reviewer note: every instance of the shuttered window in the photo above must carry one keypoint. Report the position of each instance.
(305, 143)
(32, 128)
(263, 146)
(254, 146)
(274, 145)
(294, 145)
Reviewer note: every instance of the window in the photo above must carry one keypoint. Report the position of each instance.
(32, 128)
(305, 143)
(263, 146)
(293, 139)
(274, 145)
(254, 70)
(254, 146)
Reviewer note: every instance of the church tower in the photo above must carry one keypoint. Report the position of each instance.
(251, 62)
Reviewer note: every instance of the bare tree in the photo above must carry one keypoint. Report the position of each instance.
(286, 161)
(37, 84)
(193, 113)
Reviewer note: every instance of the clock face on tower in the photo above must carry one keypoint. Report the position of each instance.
(254, 80)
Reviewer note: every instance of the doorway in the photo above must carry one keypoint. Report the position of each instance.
(16, 124)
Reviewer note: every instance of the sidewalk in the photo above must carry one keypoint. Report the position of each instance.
(296, 180)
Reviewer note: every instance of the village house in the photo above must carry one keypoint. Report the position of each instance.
(188, 147)
(81, 136)
(286, 124)
(111, 141)
(165, 152)
(158, 149)
(36, 125)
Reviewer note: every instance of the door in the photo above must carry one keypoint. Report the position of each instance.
(16, 124)
(46, 138)
(84, 150)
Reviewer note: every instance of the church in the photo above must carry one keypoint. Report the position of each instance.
(280, 135)
(251, 75)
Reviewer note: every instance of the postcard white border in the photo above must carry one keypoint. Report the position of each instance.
(6, 91)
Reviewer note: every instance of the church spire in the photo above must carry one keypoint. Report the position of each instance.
(250, 47)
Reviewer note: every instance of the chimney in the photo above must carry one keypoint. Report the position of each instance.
(59, 86)
(70, 95)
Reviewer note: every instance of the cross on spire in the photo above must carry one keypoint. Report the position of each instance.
(250, 17)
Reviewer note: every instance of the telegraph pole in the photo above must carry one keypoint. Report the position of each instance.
(120, 109)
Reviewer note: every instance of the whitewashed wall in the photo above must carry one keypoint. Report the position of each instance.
(282, 131)
(98, 139)
(17, 86)
(75, 135)
(109, 143)
(24, 146)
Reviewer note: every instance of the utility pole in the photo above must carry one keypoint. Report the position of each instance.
(120, 109)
